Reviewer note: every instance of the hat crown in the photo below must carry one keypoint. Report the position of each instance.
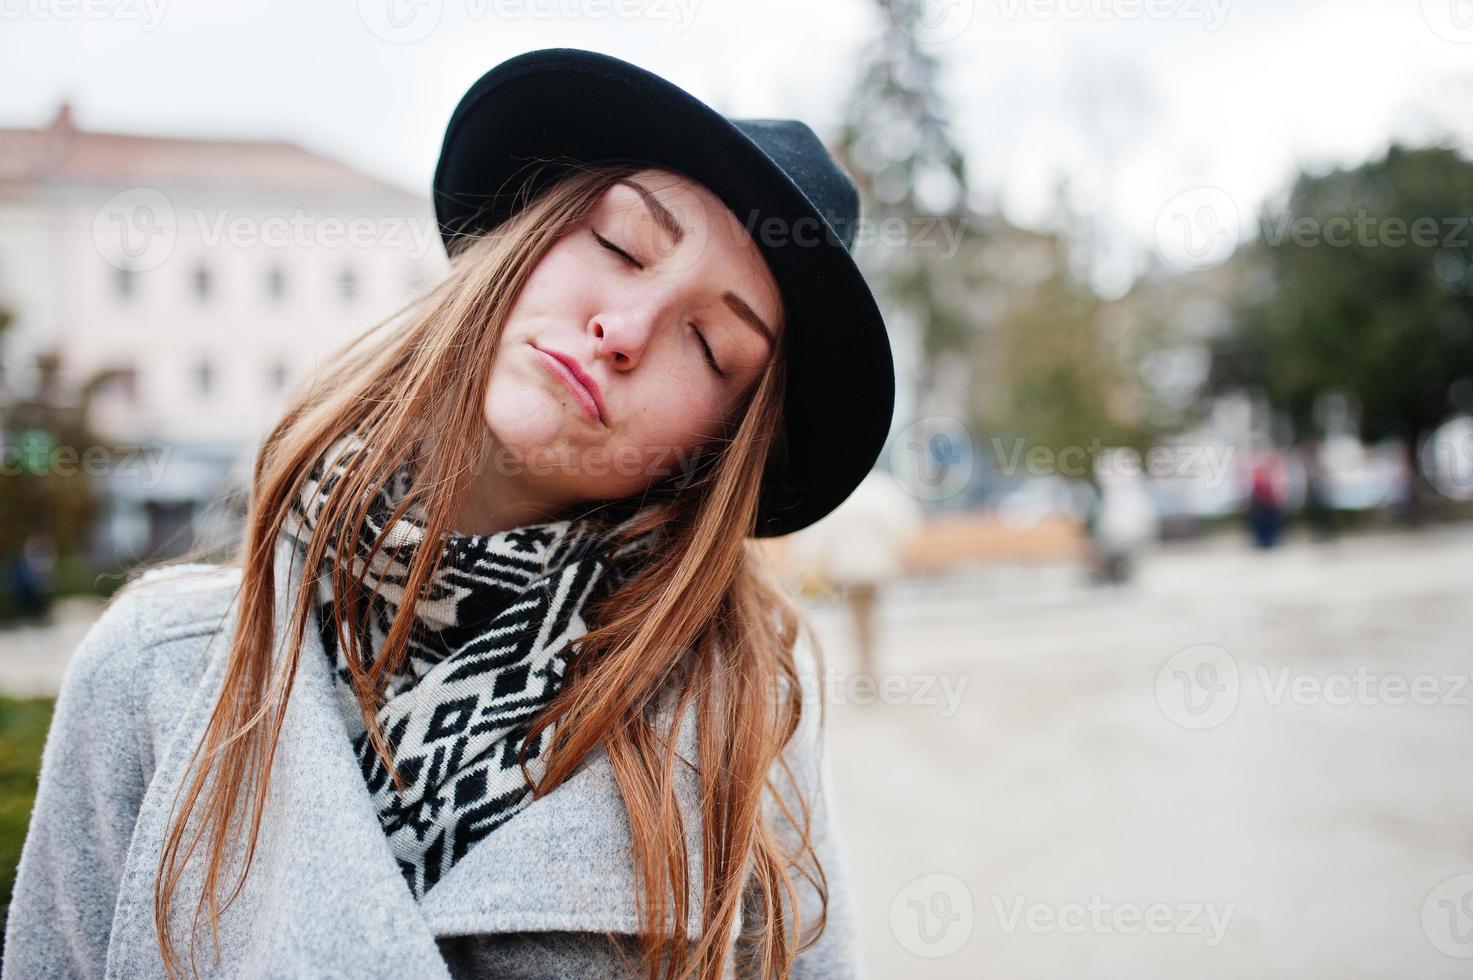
(795, 148)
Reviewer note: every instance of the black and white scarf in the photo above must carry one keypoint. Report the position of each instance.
(493, 637)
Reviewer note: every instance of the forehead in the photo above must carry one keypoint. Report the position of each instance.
(713, 240)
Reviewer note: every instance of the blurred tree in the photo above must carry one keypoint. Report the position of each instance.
(44, 484)
(896, 141)
(1065, 379)
(1344, 294)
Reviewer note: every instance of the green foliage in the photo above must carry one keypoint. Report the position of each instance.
(23, 726)
(1063, 381)
(896, 141)
(1345, 295)
(45, 489)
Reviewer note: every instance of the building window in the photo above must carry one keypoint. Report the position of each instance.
(348, 284)
(204, 378)
(276, 283)
(125, 282)
(203, 282)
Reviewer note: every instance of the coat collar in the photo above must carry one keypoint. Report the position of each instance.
(324, 890)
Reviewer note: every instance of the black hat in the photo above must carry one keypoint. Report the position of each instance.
(800, 208)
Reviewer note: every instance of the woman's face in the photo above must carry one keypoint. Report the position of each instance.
(665, 303)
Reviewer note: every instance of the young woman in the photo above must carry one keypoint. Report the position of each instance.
(499, 684)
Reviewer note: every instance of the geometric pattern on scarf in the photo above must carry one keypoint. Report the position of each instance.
(492, 640)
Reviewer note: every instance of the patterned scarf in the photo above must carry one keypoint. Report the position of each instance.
(492, 639)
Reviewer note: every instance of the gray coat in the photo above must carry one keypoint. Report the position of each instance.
(324, 897)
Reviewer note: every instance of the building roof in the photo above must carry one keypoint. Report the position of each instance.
(62, 153)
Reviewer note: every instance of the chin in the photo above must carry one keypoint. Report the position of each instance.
(525, 418)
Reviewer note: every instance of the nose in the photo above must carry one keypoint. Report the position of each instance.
(624, 331)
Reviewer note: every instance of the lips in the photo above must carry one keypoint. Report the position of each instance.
(582, 385)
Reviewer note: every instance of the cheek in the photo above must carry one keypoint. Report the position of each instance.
(559, 285)
(674, 417)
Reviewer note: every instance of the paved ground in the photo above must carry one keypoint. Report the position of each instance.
(1245, 765)
(33, 658)
(1288, 796)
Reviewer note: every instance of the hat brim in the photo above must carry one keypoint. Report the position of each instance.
(583, 107)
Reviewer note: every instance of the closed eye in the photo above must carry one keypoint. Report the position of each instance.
(616, 249)
(710, 357)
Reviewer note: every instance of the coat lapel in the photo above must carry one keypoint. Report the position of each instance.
(325, 896)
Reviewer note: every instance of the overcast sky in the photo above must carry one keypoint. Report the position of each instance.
(1134, 102)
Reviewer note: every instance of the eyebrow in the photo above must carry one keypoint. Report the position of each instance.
(671, 227)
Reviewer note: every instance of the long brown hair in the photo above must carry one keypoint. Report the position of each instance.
(705, 621)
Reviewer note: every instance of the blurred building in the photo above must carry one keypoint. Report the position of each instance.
(200, 279)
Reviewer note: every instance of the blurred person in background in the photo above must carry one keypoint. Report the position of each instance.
(1122, 521)
(30, 577)
(1266, 493)
(858, 549)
